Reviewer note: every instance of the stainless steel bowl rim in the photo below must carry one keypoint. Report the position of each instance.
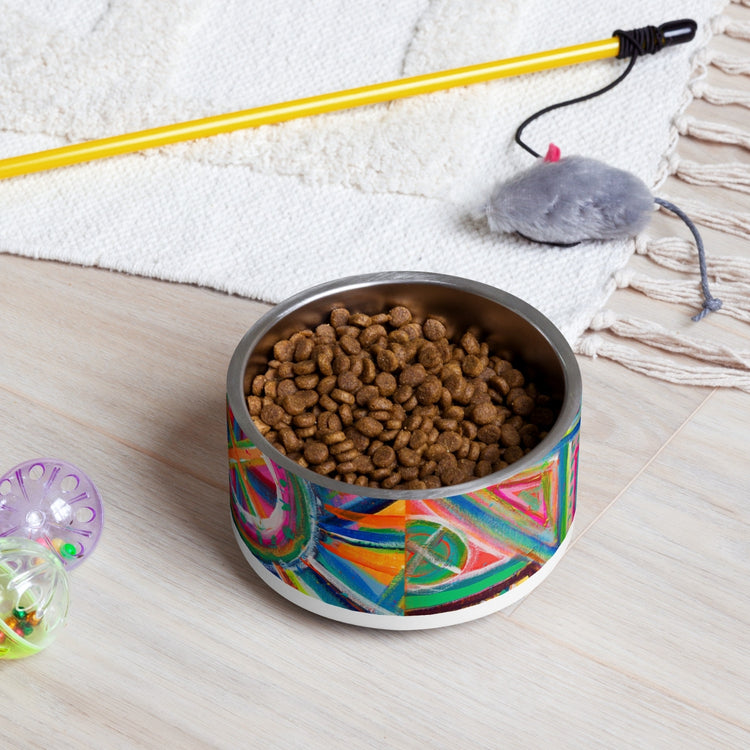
(571, 374)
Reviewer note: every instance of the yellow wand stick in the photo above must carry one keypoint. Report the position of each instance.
(647, 39)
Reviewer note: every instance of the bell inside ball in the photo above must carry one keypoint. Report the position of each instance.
(34, 597)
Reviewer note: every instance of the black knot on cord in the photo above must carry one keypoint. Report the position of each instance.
(650, 39)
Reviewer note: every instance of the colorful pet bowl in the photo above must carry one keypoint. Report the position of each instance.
(406, 559)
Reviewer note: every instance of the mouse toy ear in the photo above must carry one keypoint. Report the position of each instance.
(570, 200)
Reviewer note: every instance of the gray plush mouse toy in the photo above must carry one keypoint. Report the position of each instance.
(570, 200)
(565, 201)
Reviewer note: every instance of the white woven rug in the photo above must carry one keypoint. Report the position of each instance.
(267, 212)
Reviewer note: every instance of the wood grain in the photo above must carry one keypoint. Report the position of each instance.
(638, 639)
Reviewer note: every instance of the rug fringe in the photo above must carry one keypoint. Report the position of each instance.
(733, 175)
(677, 356)
(735, 296)
(659, 337)
(729, 64)
(730, 222)
(731, 26)
(718, 95)
(703, 130)
(681, 255)
(657, 366)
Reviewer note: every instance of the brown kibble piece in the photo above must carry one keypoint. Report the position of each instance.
(399, 316)
(384, 456)
(303, 349)
(451, 441)
(483, 413)
(522, 405)
(515, 378)
(387, 360)
(315, 452)
(349, 382)
(339, 317)
(350, 344)
(386, 383)
(283, 351)
(488, 433)
(509, 435)
(408, 457)
(272, 414)
(543, 417)
(366, 394)
(513, 453)
(297, 402)
(429, 391)
(342, 396)
(433, 329)
(412, 375)
(469, 343)
(254, 405)
(369, 426)
(429, 356)
(472, 366)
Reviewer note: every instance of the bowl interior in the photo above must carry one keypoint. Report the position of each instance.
(511, 327)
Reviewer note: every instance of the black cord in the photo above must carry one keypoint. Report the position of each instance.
(646, 40)
(633, 44)
(630, 45)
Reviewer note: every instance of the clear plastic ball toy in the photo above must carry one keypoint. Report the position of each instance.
(34, 596)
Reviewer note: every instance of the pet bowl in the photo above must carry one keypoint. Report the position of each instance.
(406, 559)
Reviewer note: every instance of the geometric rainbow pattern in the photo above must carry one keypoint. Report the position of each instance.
(401, 557)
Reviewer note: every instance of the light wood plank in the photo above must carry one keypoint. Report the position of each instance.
(658, 588)
(172, 641)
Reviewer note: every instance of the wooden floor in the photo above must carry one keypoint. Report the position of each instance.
(640, 638)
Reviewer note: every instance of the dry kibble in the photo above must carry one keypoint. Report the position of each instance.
(350, 344)
(315, 452)
(303, 349)
(342, 396)
(401, 439)
(412, 375)
(386, 383)
(483, 413)
(400, 316)
(384, 456)
(429, 391)
(387, 400)
(366, 394)
(472, 366)
(387, 360)
(523, 405)
(339, 317)
(513, 453)
(433, 329)
(369, 426)
(451, 441)
(488, 433)
(254, 405)
(509, 435)
(429, 356)
(371, 334)
(345, 414)
(348, 381)
(272, 414)
(469, 343)
(306, 382)
(515, 378)
(283, 351)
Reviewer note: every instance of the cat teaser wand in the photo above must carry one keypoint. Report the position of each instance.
(622, 44)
